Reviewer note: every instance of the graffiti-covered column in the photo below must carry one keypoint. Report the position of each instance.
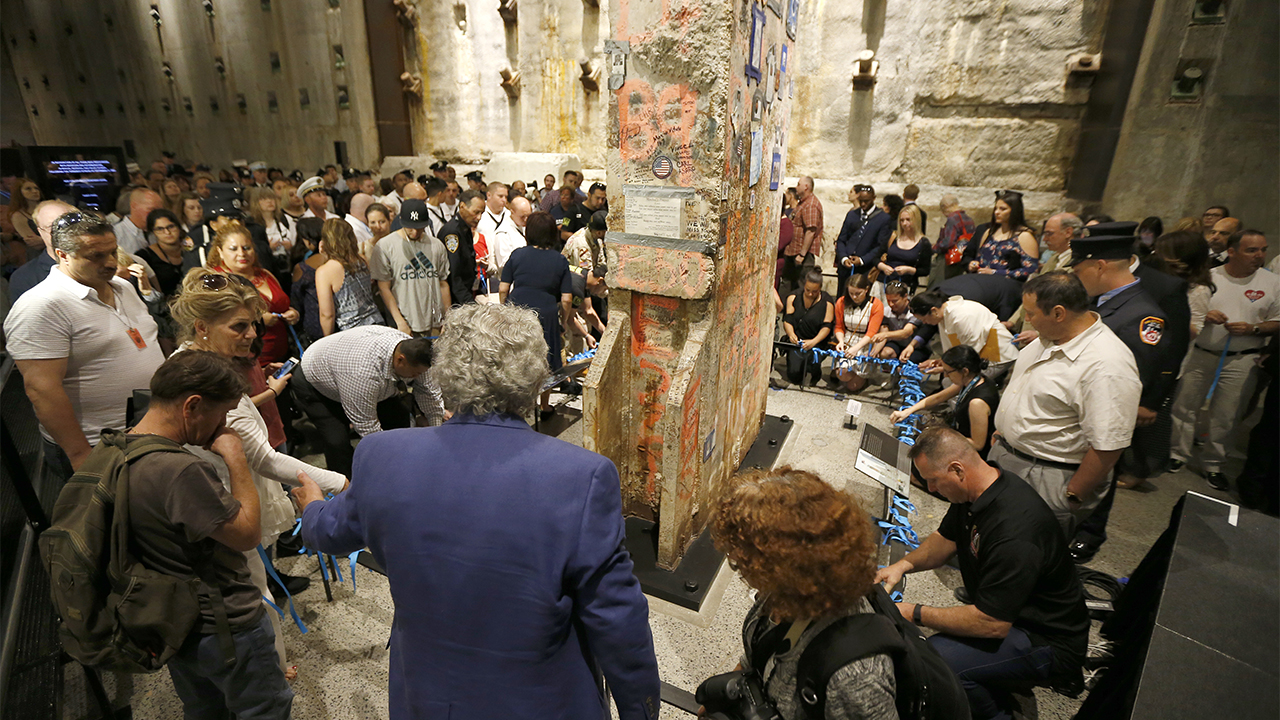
(698, 115)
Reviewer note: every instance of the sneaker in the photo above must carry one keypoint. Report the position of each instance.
(1175, 464)
(1217, 481)
(294, 583)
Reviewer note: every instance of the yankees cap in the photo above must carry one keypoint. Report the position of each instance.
(413, 214)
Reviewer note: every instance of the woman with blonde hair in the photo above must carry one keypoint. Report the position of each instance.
(344, 287)
(22, 201)
(265, 210)
(171, 195)
(809, 551)
(233, 252)
(909, 254)
(218, 312)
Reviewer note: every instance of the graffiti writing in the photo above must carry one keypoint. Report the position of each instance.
(647, 120)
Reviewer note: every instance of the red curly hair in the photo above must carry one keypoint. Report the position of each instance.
(808, 548)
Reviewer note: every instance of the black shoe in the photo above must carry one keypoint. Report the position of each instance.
(571, 388)
(545, 415)
(288, 545)
(1175, 464)
(294, 583)
(1217, 481)
(779, 384)
(963, 595)
(1082, 551)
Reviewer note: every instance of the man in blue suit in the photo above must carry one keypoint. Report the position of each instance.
(504, 547)
(863, 236)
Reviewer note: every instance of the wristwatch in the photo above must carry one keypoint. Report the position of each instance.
(1072, 497)
(1255, 330)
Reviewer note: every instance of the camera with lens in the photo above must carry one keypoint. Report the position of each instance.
(737, 695)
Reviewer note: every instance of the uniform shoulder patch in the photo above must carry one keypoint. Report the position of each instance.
(451, 243)
(1151, 329)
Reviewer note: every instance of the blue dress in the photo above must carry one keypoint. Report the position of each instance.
(538, 277)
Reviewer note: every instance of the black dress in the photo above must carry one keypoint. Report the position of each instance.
(986, 392)
(538, 277)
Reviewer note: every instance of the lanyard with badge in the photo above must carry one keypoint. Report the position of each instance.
(118, 311)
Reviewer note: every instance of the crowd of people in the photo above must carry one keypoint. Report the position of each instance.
(1100, 355)
(1073, 363)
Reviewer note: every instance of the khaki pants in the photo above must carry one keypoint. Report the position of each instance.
(1225, 409)
(1050, 483)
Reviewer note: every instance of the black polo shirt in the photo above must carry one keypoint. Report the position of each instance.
(1016, 568)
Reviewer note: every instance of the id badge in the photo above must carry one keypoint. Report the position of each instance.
(136, 337)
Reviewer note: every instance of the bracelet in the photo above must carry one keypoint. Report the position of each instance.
(273, 391)
(915, 614)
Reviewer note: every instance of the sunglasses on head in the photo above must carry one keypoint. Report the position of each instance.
(221, 282)
(862, 188)
(68, 220)
(1008, 195)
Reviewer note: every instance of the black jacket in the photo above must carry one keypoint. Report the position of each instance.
(1141, 325)
(865, 241)
(1170, 293)
(459, 243)
(998, 293)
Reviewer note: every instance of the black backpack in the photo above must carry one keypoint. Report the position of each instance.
(115, 613)
(926, 686)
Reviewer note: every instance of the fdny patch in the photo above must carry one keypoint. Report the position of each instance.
(451, 243)
(1151, 330)
(974, 537)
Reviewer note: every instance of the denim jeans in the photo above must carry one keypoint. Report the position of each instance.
(252, 688)
(989, 668)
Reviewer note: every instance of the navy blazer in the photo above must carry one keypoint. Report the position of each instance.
(867, 242)
(512, 586)
(1135, 318)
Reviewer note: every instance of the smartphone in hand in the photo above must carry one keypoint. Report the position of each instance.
(287, 368)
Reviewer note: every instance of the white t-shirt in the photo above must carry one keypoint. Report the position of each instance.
(1254, 299)
(414, 270)
(60, 318)
(363, 233)
(327, 215)
(281, 235)
(505, 241)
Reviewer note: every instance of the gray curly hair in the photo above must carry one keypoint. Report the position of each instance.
(490, 358)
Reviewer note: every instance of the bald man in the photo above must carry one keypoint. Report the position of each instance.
(1218, 236)
(37, 268)
(131, 232)
(509, 236)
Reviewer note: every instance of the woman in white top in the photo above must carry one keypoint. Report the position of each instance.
(216, 312)
(1185, 254)
(264, 208)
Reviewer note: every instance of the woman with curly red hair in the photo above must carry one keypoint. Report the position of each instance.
(810, 551)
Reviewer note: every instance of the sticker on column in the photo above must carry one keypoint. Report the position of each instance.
(662, 167)
(782, 70)
(757, 157)
(776, 7)
(617, 52)
(775, 169)
(770, 75)
(793, 17)
(751, 200)
(755, 54)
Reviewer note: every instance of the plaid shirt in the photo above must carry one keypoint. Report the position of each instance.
(354, 368)
(808, 216)
(958, 223)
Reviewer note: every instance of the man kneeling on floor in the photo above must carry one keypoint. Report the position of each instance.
(1028, 624)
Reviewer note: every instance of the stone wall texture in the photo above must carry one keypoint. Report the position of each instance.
(104, 62)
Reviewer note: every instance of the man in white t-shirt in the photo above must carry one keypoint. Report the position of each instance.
(83, 341)
(411, 268)
(394, 198)
(1244, 313)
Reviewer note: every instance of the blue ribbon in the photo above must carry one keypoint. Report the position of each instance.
(291, 332)
(581, 356)
(1217, 374)
(271, 571)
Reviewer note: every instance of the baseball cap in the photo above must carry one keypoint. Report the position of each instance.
(413, 214)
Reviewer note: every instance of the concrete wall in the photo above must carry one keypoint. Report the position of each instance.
(109, 78)
(1176, 158)
(459, 48)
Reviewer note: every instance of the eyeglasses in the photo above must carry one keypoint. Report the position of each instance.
(221, 282)
(165, 228)
(1008, 195)
(897, 287)
(68, 220)
(863, 188)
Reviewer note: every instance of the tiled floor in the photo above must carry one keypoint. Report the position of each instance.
(343, 659)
